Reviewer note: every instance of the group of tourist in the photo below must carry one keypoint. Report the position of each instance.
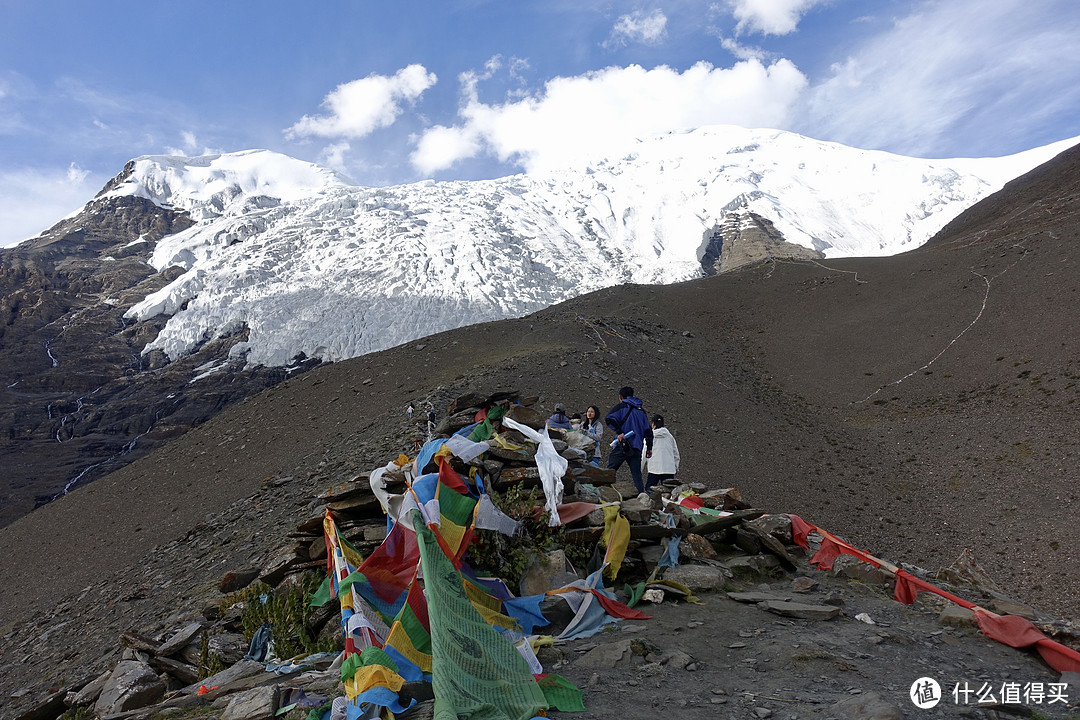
(641, 442)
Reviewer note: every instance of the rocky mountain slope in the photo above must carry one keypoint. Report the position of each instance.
(79, 397)
(191, 283)
(916, 405)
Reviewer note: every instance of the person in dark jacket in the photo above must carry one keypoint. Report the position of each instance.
(630, 423)
(559, 420)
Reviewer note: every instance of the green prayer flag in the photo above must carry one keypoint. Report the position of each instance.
(323, 595)
(317, 713)
(482, 431)
(370, 655)
(476, 672)
(634, 593)
(561, 694)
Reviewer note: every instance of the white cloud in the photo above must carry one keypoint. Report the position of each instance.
(32, 201)
(360, 107)
(440, 147)
(333, 156)
(190, 144)
(604, 111)
(769, 17)
(743, 52)
(76, 174)
(638, 27)
(951, 73)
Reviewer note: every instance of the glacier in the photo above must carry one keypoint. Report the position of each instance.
(311, 264)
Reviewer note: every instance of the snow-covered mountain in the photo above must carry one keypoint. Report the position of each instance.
(311, 264)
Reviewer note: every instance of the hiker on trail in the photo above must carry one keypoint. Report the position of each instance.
(593, 426)
(559, 420)
(409, 410)
(630, 423)
(660, 459)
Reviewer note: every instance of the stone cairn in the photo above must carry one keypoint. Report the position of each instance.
(170, 671)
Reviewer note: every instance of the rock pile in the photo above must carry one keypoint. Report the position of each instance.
(684, 541)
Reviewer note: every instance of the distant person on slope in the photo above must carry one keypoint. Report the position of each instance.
(660, 460)
(594, 428)
(630, 423)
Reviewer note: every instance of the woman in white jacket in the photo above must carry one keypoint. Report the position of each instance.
(660, 456)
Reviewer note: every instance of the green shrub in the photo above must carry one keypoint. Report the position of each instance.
(286, 612)
(508, 557)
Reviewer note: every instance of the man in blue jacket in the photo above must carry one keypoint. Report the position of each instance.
(630, 423)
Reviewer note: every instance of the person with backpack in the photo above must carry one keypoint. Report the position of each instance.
(559, 419)
(630, 423)
(661, 457)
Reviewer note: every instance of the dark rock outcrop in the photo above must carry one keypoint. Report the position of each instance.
(79, 399)
(745, 238)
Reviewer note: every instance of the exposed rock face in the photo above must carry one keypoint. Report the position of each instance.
(745, 238)
(132, 685)
(78, 398)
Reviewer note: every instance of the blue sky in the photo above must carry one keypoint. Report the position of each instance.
(397, 92)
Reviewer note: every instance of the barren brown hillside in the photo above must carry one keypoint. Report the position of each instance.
(916, 405)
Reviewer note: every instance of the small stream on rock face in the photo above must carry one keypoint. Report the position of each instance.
(48, 351)
(79, 404)
(128, 447)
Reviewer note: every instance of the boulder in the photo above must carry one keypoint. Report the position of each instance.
(527, 416)
(1003, 606)
(255, 704)
(238, 580)
(727, 499)
(231, 647)
(609, 655)
(284, 563)
(799, 610)
(131, 685)
(851, 567)
(696, 547)
(547, 572)
(599, 476)
(49, 707)
(752, 564)
(957, 616)
(179, 640)
(186, 674)
(520, 457)
(650, 555)
(527, 476)
(90, 692)
(779, 526)
(676, 660)
(637, 510)
(469, 401)
(748, 542)
(699, 578)
(452, 423)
